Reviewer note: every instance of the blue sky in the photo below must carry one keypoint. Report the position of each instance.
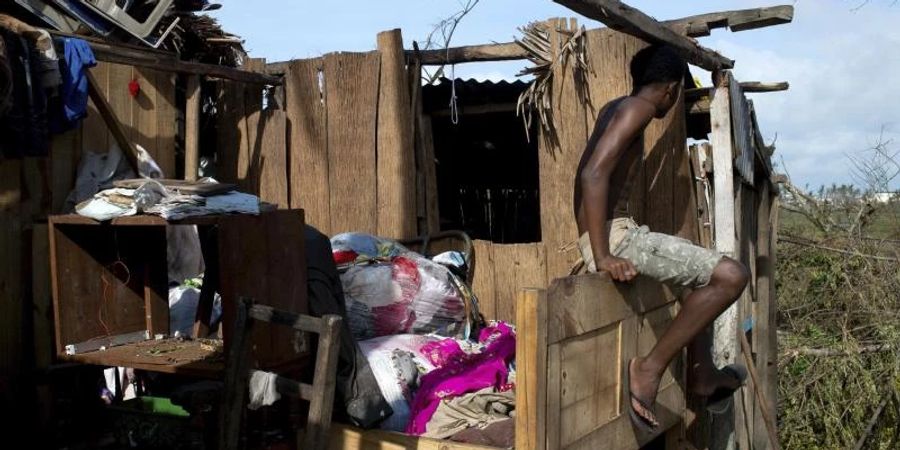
(843, 65)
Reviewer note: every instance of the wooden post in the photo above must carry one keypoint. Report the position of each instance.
(396, 200)
(626, 19)
(531, 348)
(322, 403)
(192, 129)
(236, 374)
(725, 329)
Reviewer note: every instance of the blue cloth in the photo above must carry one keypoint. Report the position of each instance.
(78, 58)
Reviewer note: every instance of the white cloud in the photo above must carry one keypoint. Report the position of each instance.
(843, 70)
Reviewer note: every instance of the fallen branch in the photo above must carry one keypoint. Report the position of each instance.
(829, 352)
(874, 420)
(836, 250)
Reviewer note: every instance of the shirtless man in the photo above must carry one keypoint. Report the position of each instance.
(612, 242)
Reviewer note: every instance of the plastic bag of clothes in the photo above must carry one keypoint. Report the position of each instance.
(397, 363)
(391, 290)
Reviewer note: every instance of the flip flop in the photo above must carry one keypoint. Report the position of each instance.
(720, 399)
(638, 420)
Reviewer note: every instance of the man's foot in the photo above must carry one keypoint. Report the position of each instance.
(643, 384)
(706, 382)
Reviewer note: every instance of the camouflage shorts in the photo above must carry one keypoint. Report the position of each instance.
(665, 258)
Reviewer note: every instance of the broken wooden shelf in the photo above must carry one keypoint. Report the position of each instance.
(170, 355)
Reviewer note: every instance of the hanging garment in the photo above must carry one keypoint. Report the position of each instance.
(24, 127)
(77, 58)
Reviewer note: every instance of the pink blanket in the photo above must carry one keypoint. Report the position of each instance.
(459, 373)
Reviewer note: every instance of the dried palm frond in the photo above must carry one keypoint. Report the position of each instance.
(536, 42)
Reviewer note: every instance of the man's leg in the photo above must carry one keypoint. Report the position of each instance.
(703, 376)
(698, 311)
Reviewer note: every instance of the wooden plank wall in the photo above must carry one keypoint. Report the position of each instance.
(746, 228)
(346, 133)
(502, 271)
(569, 401)
(149, 119)
(32, 188)
(252, 141)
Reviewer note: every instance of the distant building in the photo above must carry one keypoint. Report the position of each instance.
(884, 197)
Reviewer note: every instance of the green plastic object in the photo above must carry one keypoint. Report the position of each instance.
(156, 405)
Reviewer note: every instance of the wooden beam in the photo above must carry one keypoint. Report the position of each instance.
(167, 62)
(746, 86)
(725, 348)
(474, 53)
(691, 26)
(626, 19)
(723, 166)
(740, 20)
(112, 122)
(698, 106)
(192, 129)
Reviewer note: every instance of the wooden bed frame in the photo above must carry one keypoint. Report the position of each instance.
(574, 342)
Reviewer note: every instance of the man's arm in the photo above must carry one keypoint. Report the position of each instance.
(626, 125)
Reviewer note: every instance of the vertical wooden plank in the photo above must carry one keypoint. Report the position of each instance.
(554, 372)
(684, 204)
(192, 128)
(558, 159)
(252, 125)
(516, 267)
(273, 171)
(145, 116)
(64, 156)
(637, 200)
(531, 370)
(255, 253)
(236, 375)
(723, 168)
(166, 126)
(396, 159)
(772, 338)
(41, 296)
(762, 313)
(483, 282)
(232, 131)
(322, 403)
(702, 193)
(661, 141)
(95, 137)
(11, 290)
(725, 328)
(120, 102)
(306, 122)
(351, 86)
(432, 213)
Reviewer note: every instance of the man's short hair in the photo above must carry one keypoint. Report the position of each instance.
(657, 64)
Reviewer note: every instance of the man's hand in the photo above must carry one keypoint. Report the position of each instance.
(619, 269)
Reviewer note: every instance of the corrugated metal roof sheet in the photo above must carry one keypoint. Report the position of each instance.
(470, 92)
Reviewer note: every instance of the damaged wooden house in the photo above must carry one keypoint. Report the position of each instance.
(162, 274)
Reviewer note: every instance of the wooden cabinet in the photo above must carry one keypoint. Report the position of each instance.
(110, 289)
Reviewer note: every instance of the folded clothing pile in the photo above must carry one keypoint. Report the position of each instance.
(152, 197)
